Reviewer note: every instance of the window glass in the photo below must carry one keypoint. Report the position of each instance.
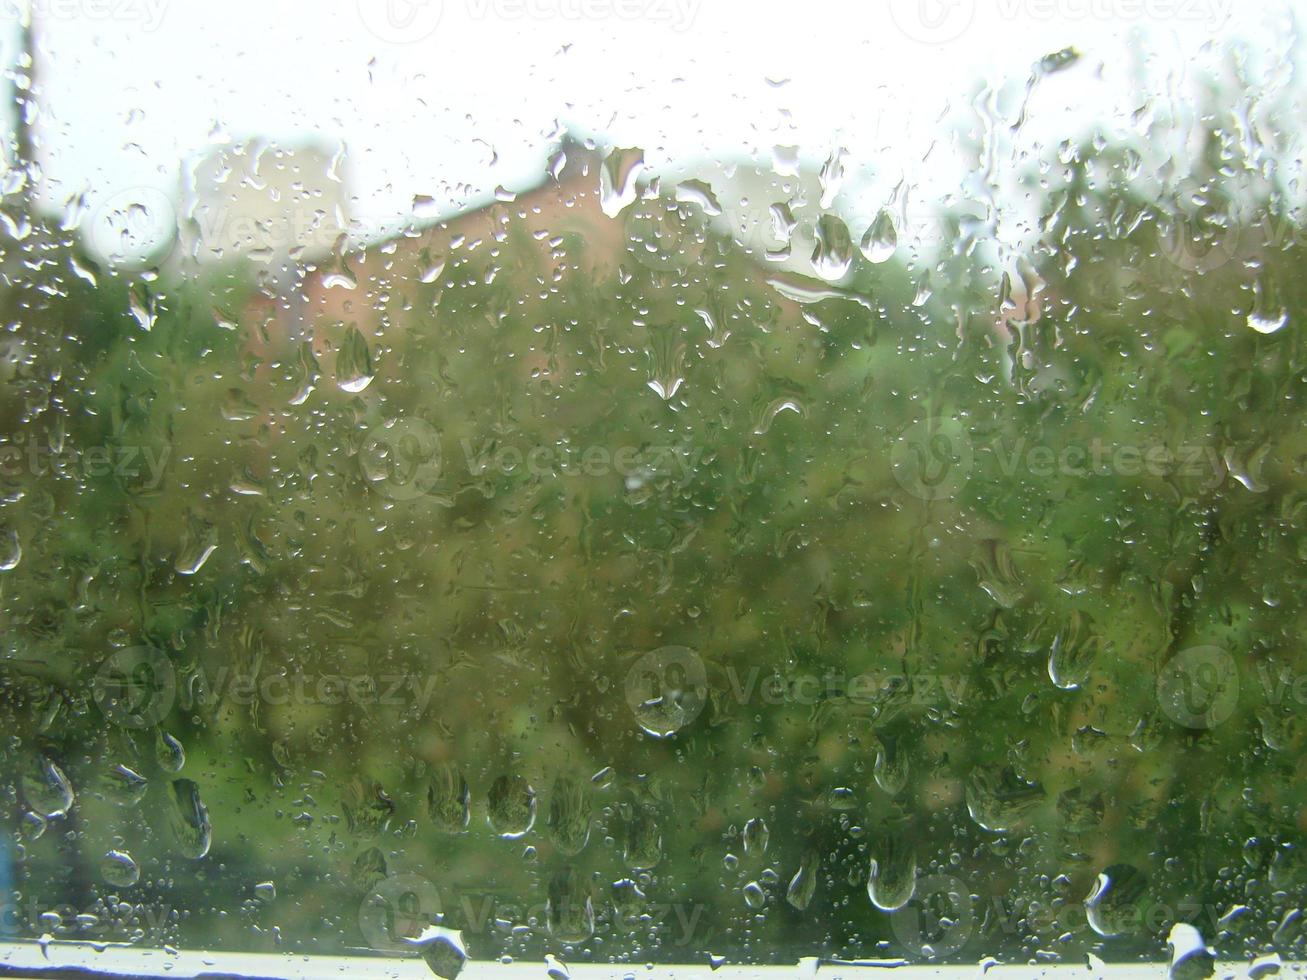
(654, 481)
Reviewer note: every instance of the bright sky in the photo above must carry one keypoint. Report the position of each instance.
(425, 93)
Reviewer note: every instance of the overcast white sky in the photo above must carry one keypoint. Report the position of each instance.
(420, 91)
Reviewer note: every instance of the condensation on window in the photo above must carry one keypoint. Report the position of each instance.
(655, 482)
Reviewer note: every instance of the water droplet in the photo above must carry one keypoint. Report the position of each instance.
(803, 289)
(785, 160)
(700, 193)
(198, 542)
(124, 786)
(442, 950)
(11, 549)
(893, 875)
(512, 807)
(619, 179)
(570, 909)
(1190, 957)
(46, 789)
(168, 752)
(189, 819)
(774, 409)
(448, 800)
(881, 239)
(432, 269)
(1268, 322)
(804, 883)
(1110, 902)
(644, 840)
(998, 802)
(891, 768)
(119, 869)
(569, 815)
(831, 176)
(756, 836)
(1072, 653)
(353, 362)
(833, 254)
(425, 207)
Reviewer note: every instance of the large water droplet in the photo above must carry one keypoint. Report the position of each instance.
(198, 542)
(124, 786)
(698, 192)
(833, 254)
(11, 549)
(353, 362)
(831, 177)
(998, 801)
(169, 752)
(893, 874)
(46, 789)
(189, 819)
(804, 883)
(569, 815)
(442, 950)
(448, 800)
(644, 840)
(619, 179)
(756, 836)
(1268, 322)
(119, 869)
(1190, 957)
(1072, 653)
(881, 239)
(891, 768)
(1109, 905)
(570, 909)
(512, 807)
